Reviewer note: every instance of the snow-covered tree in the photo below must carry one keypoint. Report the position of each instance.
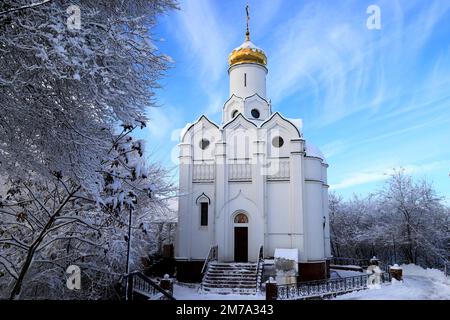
(63, 89)
(48, 224)
(404, 222)
(418, 216)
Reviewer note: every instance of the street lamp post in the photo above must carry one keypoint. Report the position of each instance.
(127, 285)
(129, 241)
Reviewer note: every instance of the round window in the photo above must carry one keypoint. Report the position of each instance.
(204, 143)
(234, 113)
(255, 113)
(277, 142)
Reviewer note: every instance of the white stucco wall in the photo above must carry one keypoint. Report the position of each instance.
(278, 217)
(256, 80)
(201, 237)
(314, 221)
(286, 208)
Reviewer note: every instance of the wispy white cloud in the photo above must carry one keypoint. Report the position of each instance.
(326, 49)
(360, 178)
(380, 174)
(334, 147)
(262, 14)
(206, 41)
(161, 122)
(203, 37)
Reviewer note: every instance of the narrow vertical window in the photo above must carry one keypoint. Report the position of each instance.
(245, 79)
(204, 213)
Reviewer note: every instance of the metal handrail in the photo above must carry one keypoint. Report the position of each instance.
(350, 261)
(139, 281)
(260, 261)
(319, 288)
(212, 256)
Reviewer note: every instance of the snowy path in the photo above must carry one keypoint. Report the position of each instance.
(191, 292)
(418, 284)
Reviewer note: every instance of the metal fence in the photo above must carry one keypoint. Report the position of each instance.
(323, 288)
(141, 284)
(350, 262)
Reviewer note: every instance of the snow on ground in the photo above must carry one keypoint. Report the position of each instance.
(336, 274)
(418, 284)
(288, 254)
(184, 291)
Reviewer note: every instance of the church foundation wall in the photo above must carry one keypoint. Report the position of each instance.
(189, 271)
(310, 271)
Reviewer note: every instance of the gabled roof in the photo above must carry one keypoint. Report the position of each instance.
(233, 96)
(256, 95)
(277, 114)
(235, 119)
(190, 125)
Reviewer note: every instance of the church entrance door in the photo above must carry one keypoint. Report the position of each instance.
(241, 244)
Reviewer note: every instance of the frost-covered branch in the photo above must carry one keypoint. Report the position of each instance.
(33, 5)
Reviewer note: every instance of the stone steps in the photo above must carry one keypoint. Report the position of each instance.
(226, 278)
(229, 291)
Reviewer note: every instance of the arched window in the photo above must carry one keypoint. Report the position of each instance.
(203, 202)
(241, 218)
(204, 214)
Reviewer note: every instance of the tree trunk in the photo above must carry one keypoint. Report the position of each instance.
(410, 254)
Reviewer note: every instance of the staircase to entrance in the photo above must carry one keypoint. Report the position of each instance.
(226, 278)
(232, 277)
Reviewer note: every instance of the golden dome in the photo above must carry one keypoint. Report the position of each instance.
(247, 53)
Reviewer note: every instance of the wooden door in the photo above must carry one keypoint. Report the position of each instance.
(240, 244)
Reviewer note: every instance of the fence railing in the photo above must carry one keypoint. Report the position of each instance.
(259, 267)
(137, 282)
(331, 287)
(212, 256)
(363, 263)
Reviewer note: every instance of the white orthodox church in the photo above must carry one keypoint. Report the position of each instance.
(251, 181)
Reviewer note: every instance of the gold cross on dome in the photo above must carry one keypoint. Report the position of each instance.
(247, 34)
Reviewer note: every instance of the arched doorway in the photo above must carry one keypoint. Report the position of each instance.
(241, 238)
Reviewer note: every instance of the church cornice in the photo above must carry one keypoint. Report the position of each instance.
(235, 97)
(256, 95)
(317, 158)
(247, 63)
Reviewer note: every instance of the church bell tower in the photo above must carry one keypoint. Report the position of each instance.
(247, 71)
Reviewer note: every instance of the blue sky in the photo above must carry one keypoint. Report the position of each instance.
(372, 100)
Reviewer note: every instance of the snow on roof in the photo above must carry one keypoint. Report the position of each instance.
(184, 130)
(297, 122)
(173, 204)
(288, 254)
(248, 45)
(312, 151)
